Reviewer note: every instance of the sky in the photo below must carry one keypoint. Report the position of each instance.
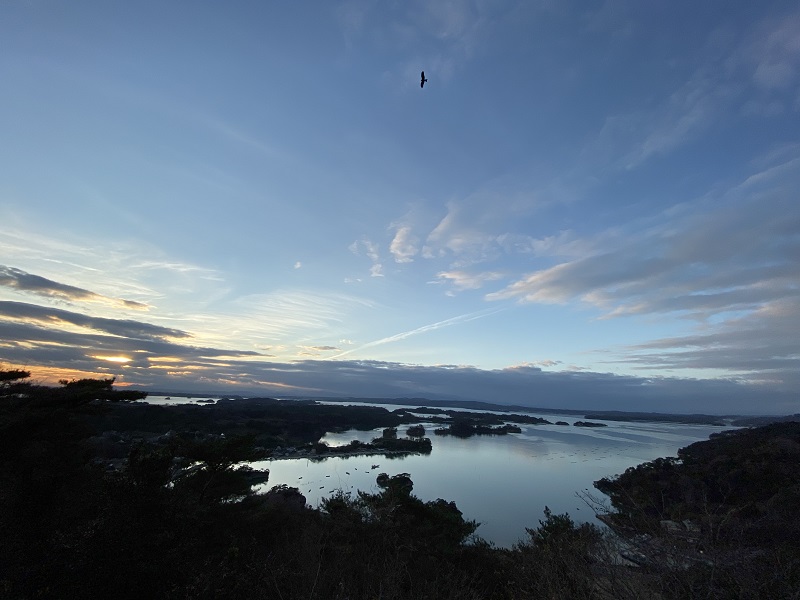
(588, 205)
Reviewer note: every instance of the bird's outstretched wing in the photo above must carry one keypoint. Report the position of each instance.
(422, 79)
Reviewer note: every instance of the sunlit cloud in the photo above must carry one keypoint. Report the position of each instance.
(370, 250)
(114, 359)
(741, 258)
(463, 280)
(490, 225)
(456, 235)
(404, 245)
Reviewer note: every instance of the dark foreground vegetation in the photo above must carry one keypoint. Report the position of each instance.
(721, 517)
(176, 517)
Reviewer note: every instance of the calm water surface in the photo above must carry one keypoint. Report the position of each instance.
(503, 482)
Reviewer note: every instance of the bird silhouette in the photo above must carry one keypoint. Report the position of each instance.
(422, 79)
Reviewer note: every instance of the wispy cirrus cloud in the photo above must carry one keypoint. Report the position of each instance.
(627, 140)
(755, 71)
(772, 58)
(279, 321)
(112, 268)
(446, 35)
(459, 236)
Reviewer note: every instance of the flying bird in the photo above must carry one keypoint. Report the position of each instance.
(422, 79)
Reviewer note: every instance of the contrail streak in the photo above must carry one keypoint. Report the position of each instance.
(424, 329)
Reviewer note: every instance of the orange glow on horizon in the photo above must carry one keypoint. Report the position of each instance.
(51, 375)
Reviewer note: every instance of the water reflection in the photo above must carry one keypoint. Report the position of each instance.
(504, 482)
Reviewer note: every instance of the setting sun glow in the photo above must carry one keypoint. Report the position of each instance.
(116, 359)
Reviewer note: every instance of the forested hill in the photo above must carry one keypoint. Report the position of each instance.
(750, 476)
(727, 508)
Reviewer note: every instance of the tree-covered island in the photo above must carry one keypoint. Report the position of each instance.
(104, 497)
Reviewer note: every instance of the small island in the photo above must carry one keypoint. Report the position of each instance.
(464, 429)
(415, 431)
(385, 446)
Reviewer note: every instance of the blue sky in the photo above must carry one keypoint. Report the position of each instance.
(589, 205)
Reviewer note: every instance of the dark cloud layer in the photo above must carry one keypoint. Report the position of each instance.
(527, 386)
(120, 327)
(41, 286)
(195, 369)
(35, 336)
(763, 344)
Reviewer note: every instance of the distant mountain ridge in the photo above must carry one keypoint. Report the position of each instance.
(607, 415)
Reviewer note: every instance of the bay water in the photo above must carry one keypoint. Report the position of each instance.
(503, 482)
